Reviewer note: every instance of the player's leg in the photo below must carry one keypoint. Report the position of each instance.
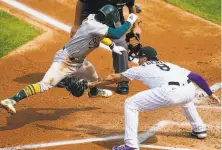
(142, 101)
(185, 97)
(120, 64)
(199, 128)
(51, 78)
(88, 71)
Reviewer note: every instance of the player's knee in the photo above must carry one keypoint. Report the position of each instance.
(91, 71)
(129, 103)
(44, 86)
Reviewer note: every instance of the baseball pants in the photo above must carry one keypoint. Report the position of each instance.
(62, 68)
(167, 95)
(120, 62)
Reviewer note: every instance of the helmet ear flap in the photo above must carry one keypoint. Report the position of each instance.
(100, 17)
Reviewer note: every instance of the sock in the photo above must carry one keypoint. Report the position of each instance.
(29, 90)
(94, 90)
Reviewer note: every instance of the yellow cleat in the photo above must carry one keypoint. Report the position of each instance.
(9, 105)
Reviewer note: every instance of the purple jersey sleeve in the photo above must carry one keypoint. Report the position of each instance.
(196, 78)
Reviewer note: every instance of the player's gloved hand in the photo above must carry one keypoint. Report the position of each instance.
(76, 86)
(117, 49)
(132, 18)
(215, 98)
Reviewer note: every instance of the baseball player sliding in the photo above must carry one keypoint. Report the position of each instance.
(169, 84)
(70, 60)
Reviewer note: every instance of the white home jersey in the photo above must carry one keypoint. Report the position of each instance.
(87, 38)
(157, 73)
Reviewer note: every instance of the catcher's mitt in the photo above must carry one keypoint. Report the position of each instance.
(76, 86)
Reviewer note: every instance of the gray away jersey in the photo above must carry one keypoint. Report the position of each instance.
(87, 38)
(157, 73)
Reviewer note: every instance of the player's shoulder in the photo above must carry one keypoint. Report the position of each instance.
(90, 18)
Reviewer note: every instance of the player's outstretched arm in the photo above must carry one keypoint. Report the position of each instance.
(201, 82)
(110, 79)
(120, 31)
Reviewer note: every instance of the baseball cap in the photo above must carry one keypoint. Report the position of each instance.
(148, 52)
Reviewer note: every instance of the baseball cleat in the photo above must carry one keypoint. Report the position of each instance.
(101, 93)
(199, 135)
(123, 147)
(122, 88)
(9, 105)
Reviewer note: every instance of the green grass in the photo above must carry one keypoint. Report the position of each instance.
(14, 33)
(208, 9)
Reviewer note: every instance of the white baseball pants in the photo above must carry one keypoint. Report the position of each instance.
(167, 95)
(62, 67)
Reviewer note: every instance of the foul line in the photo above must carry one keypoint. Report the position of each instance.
(67, 28)
(145, 135)
(164, 147)
(200, 93)
(142, 137)
(61, 143)
(38, 15)
(47, 19)
(43, 17)
(209, 107)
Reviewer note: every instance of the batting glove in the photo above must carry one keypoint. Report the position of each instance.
(117, 49)
(132, 18)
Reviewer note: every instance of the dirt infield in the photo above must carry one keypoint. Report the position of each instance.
(55, 116)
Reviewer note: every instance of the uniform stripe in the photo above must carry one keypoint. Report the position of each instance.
(25, 92)
(31, 89)
(37, 88)
(28, 91)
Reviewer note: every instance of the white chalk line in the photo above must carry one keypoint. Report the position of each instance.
(43, 17)
(142, 137)
(64, 27)
(62, 143)
(200, 93)
(38, 15)
(165, 147)
(67, 28)
(209, 107)
(47, 19)
(147, 134)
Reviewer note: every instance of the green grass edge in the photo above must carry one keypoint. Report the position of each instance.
(15, 32)
(205, 11)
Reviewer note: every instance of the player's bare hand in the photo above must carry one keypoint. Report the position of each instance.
(73, 31)
(117, 49)
(215, 98)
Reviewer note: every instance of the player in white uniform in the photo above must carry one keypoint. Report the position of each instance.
(169, 85)
(71, 60)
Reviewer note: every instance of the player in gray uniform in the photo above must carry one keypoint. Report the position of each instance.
(86, 7)
(169, 85)
(70, 60)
